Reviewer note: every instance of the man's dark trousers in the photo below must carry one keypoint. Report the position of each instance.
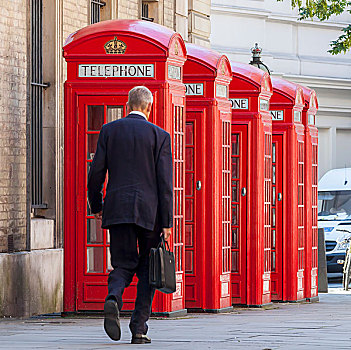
(128, 259)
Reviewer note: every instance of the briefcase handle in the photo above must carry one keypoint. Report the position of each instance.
(164, 243)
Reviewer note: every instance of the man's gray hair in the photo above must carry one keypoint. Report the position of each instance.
(139, 97)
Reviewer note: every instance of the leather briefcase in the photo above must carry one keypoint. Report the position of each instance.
(162, 268)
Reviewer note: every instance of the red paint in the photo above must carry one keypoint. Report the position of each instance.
(277, 218)
(147, 43)
(290, 227)
(252, 228)
(311, 192)
(208, 160)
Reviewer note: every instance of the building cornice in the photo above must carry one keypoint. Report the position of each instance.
(272, 16)
(318, 82)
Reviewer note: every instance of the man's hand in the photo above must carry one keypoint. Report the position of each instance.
(98, 216)
(166, 233)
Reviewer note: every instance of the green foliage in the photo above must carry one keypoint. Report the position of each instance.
(323, 10)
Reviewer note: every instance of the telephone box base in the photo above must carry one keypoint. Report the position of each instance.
(313, 299)
(261, 306)
(171, 314)
(211, 311)
(291, 301)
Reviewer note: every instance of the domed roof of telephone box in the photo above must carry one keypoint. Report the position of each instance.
(253, 74)
(289, 90)
(149, 32)
(212, 59)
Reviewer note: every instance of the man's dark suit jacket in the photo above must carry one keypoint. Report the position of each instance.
(137, 156)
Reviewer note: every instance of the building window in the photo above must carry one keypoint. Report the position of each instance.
(145, 12)
(95, 7)
(36, 100)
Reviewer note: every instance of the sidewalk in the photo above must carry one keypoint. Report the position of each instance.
(323, 325)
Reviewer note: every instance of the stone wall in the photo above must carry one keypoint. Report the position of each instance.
(75, 16)
(128, 9)
(13, 114)
(199, 22)
(31, 283)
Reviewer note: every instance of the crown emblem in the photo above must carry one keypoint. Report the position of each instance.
(223, 68)
(115, 46)
(176, 48)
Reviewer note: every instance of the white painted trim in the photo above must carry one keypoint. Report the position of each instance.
(269, 55)
(270, 16)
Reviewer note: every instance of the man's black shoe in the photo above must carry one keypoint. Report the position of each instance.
(140, 339)
(111, 323)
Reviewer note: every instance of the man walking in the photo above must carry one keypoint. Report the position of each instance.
(137, 208)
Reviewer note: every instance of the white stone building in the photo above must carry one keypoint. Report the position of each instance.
(297, 51)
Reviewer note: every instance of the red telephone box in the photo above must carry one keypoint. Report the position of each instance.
(311, 193)
(104, 61)
(207, 180)
(249, 92)
(288, 204)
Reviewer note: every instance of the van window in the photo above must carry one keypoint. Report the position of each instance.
(335, 203)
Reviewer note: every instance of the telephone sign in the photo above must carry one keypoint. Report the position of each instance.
(116, 70)
(239, 103)
(194, 89)
(277, 115)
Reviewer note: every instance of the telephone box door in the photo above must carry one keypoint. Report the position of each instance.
(277, 218)
(239, 214)
(93, 264)
(193, 208)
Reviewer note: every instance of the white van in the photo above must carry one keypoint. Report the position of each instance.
(334, 215)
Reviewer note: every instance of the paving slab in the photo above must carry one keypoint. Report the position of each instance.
(322, 325)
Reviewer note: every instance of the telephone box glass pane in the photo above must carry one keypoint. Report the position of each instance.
(235, 261)
(114, 113)
(235, 168)
(189, 203)
(273, 261)
(92, 143)
(235, 145)
(88, 207)
(95, 117)
(235, 238)
(88, 168)
(189, 261)
(108, 260)
(189, 159)
(235, 191)
(235, 215)
(189, 133)
(189, 235)
(189, 184)
(94, 231)
(95, 259)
